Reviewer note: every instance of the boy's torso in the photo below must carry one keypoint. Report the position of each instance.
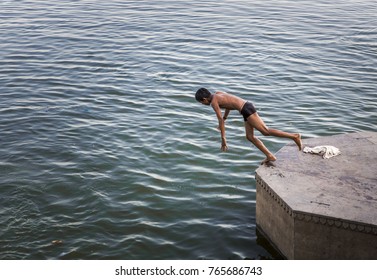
(229, 101)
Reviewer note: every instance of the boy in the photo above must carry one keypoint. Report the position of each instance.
(222, 100)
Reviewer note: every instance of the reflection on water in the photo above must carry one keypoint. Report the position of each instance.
(105, 154)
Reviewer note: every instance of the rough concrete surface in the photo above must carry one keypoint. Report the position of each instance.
(329, 204)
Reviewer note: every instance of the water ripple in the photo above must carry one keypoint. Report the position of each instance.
(105, 154)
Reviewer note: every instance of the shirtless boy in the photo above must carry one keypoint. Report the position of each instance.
(223, 100)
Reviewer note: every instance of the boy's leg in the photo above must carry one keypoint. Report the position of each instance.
(259, 144)
(255, 121)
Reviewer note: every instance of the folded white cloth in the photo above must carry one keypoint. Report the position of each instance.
(325, 151)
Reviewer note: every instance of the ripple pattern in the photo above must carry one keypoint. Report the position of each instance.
(105, 154)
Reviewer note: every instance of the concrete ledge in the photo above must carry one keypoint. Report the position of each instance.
(315, 208)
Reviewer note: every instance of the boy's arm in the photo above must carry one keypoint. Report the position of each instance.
(217, 110)
(226, 114)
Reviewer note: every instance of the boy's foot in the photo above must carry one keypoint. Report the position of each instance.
(268, 163)
(268, 160)
(298, 141)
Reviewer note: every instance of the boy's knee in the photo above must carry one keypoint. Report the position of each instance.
(251, 138)
(265, 132)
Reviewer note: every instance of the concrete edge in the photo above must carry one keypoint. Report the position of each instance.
(314, 218)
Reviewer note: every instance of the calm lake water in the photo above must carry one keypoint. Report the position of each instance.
(104, 152)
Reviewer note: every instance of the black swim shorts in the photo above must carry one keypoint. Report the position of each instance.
(247, 110)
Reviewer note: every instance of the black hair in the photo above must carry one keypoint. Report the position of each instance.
(202, 93)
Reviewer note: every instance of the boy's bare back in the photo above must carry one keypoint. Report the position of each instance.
(227, 101)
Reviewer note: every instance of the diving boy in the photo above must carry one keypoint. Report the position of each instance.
(223, 100)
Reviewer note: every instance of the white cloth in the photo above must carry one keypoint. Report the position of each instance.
(325, 151)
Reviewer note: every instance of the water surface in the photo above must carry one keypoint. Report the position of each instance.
(105, 154)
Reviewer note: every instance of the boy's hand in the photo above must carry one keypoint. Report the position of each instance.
(224, 147)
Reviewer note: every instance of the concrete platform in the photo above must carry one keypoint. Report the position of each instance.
(314, 208)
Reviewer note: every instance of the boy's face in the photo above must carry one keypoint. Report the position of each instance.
(205, 101)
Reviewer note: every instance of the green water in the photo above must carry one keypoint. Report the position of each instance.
(104, 148)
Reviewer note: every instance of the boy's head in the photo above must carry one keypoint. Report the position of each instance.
(203, 96)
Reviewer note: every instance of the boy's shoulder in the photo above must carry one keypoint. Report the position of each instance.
(225, 96)
(221, 94)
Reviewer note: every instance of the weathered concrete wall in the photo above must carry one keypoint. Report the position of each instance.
(272, 217)
(312, 208)
(326, 239)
